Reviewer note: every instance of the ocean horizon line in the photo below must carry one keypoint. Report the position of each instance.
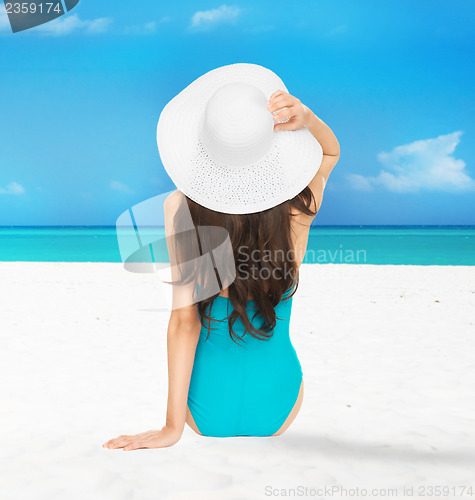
(426, 244)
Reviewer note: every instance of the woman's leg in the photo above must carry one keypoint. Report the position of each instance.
(293, 413)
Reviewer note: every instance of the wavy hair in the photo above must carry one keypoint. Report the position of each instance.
(265, 234)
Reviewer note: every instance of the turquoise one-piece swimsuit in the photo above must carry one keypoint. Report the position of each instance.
(247, 389)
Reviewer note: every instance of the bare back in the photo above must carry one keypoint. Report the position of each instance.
(300, 229)
(300, 223)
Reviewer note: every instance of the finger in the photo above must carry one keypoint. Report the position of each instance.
(281, 96)
(290, 125)
(118, 437)
(280, 102)
(276, 93)
(114, 441)
(135, 446)
(117, 444)
(121, 442)
(125, 439)
(285, 113)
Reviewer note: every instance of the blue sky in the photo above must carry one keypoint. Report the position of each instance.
(80, 99)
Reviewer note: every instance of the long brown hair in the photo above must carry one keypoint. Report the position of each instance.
(266, 233)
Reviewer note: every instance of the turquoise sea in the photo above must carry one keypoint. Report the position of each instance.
(420, 245)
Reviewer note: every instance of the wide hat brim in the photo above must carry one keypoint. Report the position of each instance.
(289, 166)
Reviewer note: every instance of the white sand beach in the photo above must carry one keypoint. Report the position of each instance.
(387, 354)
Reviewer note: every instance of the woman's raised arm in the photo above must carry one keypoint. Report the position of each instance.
(299, 115)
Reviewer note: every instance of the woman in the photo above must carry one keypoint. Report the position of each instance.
(251, 160)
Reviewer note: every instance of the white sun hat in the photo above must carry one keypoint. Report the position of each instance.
(217, 142)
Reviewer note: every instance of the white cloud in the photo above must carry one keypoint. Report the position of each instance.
(421, 165)
(151, 26)
(120, 186)
(146, 28)
(13, 188)
(209, 18)
(67, 24)
(99, 25)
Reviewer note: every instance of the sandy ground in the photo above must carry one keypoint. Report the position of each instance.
(388, 359)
